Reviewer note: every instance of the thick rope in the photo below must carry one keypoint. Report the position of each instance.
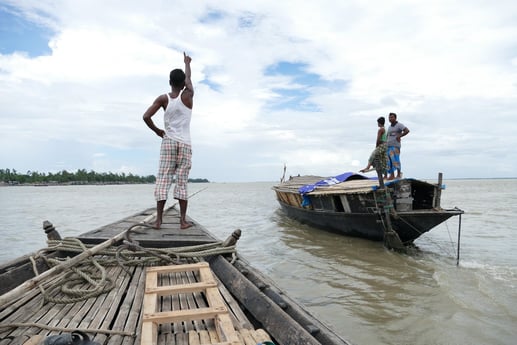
(89, 278)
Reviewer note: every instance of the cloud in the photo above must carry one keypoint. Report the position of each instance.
(276, 82)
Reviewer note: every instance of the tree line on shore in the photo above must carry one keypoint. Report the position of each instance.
(81, 176)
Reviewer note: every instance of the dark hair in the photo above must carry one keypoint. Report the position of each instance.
(177, 78)
(393, 114)
(381, 120)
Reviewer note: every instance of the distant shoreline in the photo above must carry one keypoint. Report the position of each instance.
(80, 183)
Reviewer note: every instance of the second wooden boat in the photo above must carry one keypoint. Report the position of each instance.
(355, 205)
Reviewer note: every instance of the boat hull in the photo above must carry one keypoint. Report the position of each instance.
(408, 225)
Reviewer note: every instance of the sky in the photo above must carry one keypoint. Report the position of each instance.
(292, 83)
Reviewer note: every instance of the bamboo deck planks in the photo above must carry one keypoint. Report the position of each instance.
(190, 310)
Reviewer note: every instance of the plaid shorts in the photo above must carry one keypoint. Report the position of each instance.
(175, 159)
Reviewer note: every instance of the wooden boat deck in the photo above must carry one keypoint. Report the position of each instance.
(115, 317)
(188, 314)
(153, 238)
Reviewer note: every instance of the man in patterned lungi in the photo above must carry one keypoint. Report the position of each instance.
(176, 150)
(395, 131)
(378, 158)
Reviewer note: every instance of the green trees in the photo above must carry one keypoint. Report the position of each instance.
(81, 176)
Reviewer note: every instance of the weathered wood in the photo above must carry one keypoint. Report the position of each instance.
(33, 283)
(150, 329)
(195, 299)
(133, 320)
(189, 309)
(111, 304)
(25, 304)
(240, 320)
(120, 310)
(438, 194)
(34, 340)
(278, 323)
(18, 270)
(151, 238)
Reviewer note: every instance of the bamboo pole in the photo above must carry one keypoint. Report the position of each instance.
(28, 285)
(438, 194)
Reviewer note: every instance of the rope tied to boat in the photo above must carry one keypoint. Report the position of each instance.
(89, 277)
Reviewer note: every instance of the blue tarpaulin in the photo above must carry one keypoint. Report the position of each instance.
(332, 180)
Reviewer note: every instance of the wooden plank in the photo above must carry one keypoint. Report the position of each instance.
(260, 336)
(107, 316)
(225, 329)
(150, 327)
(247, 338)
(83, 311)
(239, 319)
(191, 280)
(165, 304)
(192, 296)
(177, 268)
(99, 302)
(178, 326)
(183, 315)
(192, 287)
(193, 338)
(224, 325)
(133, 320)
(26, 309)
(204, 337)
(60, 314)
(34, 340)
(182, 297)
(181, 339)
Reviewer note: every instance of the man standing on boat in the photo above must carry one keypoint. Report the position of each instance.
(395, 131)
(176, 150)
(379, 159)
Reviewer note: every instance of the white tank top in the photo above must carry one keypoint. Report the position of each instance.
(177, 120)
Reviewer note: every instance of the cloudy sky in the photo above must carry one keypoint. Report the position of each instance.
(277, 82)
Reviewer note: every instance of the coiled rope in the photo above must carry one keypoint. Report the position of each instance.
(90, 279)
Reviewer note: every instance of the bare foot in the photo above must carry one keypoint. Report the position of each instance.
(157, 225)
(186, 225)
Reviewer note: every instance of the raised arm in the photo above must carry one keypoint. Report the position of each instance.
(188, 93)
(188, 82)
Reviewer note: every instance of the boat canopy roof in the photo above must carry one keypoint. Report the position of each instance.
(317, 185)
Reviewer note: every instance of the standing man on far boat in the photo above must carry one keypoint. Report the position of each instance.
(176, 150)
(395, 131)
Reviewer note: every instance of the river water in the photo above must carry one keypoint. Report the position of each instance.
(368, 294)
